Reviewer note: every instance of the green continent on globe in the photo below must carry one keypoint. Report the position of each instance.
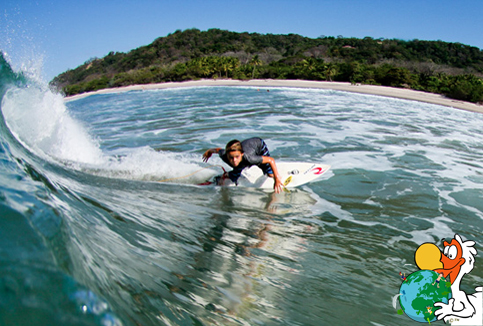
(418, 293)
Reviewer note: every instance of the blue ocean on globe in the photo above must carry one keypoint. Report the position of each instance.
(419, 292)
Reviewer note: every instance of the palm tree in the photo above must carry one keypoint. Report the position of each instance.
(331, 71)
(255, 61)
(200, 66)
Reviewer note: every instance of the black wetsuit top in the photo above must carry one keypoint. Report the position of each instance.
(253, 150)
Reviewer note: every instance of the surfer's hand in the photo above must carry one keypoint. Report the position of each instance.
(277, 186)
(207, 155)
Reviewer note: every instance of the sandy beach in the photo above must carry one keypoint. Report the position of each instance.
(401, 93)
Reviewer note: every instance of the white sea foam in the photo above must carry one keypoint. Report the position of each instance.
(147, 164)
(38, 119)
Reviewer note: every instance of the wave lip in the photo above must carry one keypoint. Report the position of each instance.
(39, 120)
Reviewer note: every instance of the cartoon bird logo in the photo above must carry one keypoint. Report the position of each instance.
(456, 260)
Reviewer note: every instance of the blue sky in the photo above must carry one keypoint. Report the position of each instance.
(53, 36)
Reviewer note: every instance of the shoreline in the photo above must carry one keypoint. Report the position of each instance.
(401, 93)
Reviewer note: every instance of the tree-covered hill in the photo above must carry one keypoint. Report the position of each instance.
(452, 69)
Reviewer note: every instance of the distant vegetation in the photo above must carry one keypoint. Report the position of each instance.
(452, 69)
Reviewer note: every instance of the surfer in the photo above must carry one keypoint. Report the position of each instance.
(240, 155)
(440, 276)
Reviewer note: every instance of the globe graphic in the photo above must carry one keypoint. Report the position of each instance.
(417, 293)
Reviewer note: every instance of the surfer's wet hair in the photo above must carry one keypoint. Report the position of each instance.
(234, 146)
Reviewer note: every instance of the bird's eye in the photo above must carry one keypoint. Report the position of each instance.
(452, 252)
(445, 251)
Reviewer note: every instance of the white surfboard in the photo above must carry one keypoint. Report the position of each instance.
(293, 174)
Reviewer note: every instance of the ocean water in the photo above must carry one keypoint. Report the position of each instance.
(102, 223)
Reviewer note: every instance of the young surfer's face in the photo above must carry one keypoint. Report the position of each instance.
(235, 158)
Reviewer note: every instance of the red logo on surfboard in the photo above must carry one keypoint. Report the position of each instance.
(318, 170)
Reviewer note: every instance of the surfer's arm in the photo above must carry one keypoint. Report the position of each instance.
(277, 186)
(208, 153)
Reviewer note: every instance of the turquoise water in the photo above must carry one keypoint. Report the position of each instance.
(88, 237)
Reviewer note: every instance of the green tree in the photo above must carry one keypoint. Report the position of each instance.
(389, 75)
(466, 88)
(255, 61)
(330, 71)
(228, 64)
